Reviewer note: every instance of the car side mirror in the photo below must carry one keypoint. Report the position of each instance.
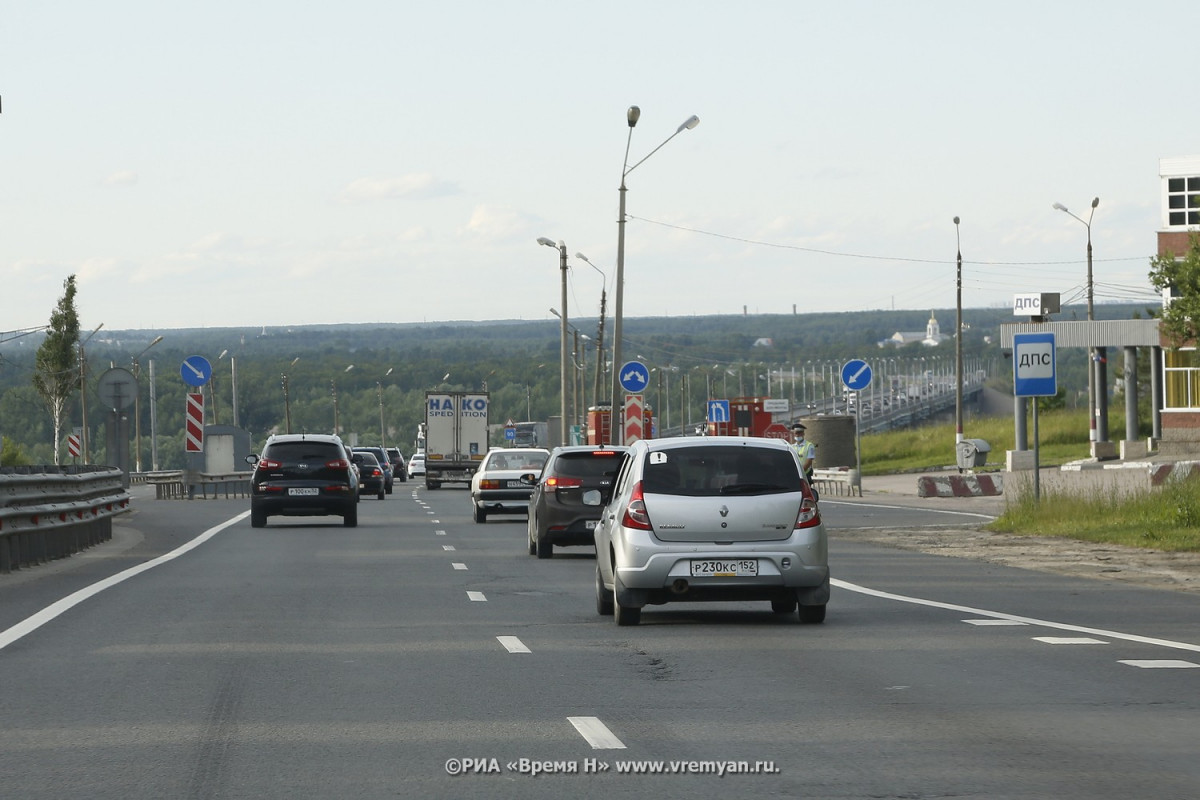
(252, 459)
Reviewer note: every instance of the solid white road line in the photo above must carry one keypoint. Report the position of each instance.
(596, 733)
(458, 565)
(53, 610)
(1160, 664)
(476, 597)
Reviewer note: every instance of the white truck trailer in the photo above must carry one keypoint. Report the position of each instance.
(456, 436)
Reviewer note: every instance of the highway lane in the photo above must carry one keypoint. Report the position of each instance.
(309, 660)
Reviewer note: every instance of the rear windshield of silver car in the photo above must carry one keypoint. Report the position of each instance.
(708, 471)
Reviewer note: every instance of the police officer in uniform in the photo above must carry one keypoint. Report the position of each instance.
(805, 450)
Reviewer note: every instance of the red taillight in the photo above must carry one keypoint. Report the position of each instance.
(376, 472)
(490, 484)
(266, 463)
(810, 514)
(553, 483)
(337, 463)
(635, 515)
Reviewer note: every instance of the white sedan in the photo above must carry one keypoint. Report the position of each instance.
(497, 487)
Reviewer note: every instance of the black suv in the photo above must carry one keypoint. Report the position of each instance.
(399, 468)
(568, 496)
(303, 475)
(389, 476)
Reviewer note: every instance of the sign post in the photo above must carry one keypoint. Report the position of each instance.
(856, 376)
(1035, 374)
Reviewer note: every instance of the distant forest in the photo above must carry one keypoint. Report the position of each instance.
(376, 375)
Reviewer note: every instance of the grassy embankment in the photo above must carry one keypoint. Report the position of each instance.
(1164, 520)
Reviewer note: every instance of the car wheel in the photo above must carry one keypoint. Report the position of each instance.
(604, 598)
(812, 615)
(258, 519)
(478, 514)
(350, 518)
(380, 495)
(623, 615)
(783, 605)
(388, 490)
(532, 541)
(432, 485)
(544, 549)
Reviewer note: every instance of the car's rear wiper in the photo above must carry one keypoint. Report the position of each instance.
(752, 488)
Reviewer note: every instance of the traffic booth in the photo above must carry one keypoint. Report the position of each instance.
(746, 418)
(599, 421)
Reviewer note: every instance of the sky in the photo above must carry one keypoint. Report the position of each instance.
(264, 163)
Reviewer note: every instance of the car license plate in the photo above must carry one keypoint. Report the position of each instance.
(722, 568)
(304, 492)
(591, 524)
(515, 484)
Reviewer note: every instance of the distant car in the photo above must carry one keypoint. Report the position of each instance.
(497, 487)
(712, 518)
(399, 468)
(303, 475)
(384, 462)
(416, 465)
(568, 496)
(370, 474)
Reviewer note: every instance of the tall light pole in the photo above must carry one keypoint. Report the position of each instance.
(212, 387)
(562, 326)
(333, 385)
(83, 391)
(287, 403)
(382, 430)
(616, 421)
(600, 371)
(1092, 394)
(137, 405)
(958, 358)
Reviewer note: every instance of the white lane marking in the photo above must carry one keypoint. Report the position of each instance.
(439, 533)
(513, 645)
(458, 565)
(1165, 663)
(596, 733)
(30, 624)
(447, 547)
(476, 597)
(1129, 637)
(1067, 640)
(436, 521)
(909, 508)
(992, 622)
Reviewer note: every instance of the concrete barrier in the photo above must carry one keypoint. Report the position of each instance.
(960, 485)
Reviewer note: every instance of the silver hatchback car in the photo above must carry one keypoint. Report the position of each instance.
(711, 518)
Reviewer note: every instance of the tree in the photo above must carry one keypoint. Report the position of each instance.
(1181, 318)
(54, 374)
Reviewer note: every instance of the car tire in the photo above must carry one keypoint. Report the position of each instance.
(478, 514)
(783, 605)
(544, 549)
(623, 615)
(432, 485)
(812, 615)
(350, 518)
(604, 597)
(532, 543)
(380, 495)
(258, 519)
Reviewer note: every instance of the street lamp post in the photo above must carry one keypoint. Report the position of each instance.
(382, 430)
(333, 384)
(137, 405)
(616, 423)
(1093, 404)
(599, 328)
(287, 403)
(562, 326)
(83, 391)
(958, 357)
(212, 386)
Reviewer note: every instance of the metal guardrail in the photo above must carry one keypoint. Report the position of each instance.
(51, 512)
(838, 480)
(184, 485)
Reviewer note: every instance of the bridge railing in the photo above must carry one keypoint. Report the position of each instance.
(50, 512)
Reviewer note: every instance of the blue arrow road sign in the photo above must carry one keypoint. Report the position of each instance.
(856, 374)
(634, 377)
(718, 411)
(1035, 372)
(195, 370)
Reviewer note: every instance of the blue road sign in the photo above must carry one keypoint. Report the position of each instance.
(1035, 371)
(718, 411)
(195, 370)
(634, 376)
(856, 374)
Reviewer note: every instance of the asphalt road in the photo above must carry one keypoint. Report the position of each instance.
(311, 660)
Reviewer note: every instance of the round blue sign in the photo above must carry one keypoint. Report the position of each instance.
(195, 370)
(856, 374)
(633, 377)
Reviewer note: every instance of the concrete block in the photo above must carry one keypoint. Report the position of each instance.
(1018, 460)
(1132, 449)
(1104, 450)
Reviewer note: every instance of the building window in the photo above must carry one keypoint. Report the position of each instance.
(1183, 201)
(1181, 379)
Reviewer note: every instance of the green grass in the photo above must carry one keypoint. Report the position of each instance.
(1166, 519)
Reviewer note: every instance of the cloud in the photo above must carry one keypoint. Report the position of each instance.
(420, 186)
(498, 223)
(123, 177)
